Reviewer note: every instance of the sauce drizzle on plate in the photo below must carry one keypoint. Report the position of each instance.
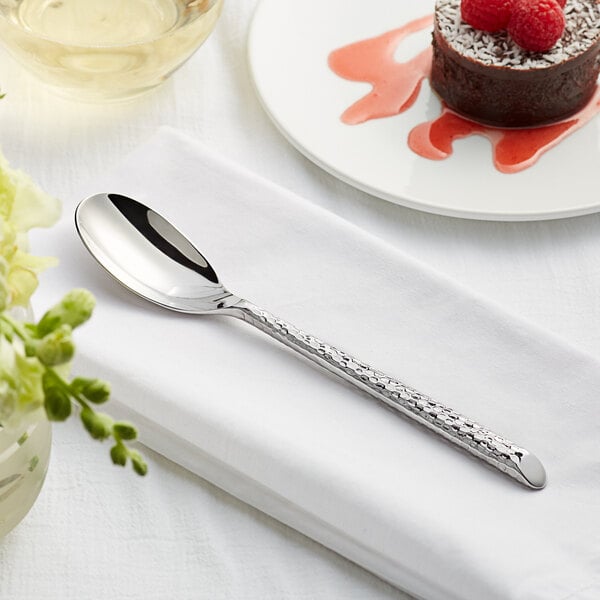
(396, 87)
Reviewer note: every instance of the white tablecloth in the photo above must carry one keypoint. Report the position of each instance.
(97, 532)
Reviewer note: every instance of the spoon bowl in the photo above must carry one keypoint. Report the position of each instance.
(148, 255)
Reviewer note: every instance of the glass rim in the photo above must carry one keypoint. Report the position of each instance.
(216, 4)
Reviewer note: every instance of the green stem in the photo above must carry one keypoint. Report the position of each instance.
(16, 327)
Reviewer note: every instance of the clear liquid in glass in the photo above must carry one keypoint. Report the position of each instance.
(108, 48)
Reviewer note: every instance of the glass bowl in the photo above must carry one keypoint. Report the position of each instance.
(108, 49)
(24, 456)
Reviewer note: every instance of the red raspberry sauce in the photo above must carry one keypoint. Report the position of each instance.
(396, 87)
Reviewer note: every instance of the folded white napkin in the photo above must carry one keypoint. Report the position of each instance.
(235, 407)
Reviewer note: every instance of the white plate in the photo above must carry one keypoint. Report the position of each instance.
(288, 47)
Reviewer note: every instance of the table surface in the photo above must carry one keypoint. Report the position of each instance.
(98, 532)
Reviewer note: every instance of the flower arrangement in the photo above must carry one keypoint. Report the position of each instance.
(35, 357)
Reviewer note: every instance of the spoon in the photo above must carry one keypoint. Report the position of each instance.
(147, 255)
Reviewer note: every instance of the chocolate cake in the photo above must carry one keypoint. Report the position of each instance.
(488, 78)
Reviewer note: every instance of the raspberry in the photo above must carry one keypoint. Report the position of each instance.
(561, 3)
(536, 25)
(487, 15)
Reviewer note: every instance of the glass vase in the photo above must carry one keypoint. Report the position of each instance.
(24, 456)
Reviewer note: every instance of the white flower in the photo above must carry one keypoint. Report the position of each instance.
(23, 205)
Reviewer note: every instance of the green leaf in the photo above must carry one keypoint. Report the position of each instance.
(138, 463)
(98, 425)
(118, 454)
(125, 431)
(94, 390)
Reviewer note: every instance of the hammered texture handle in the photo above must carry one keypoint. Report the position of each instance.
(494, 449)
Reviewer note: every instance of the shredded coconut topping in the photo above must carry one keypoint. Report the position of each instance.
(498, 49)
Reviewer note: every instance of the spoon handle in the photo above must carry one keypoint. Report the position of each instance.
(495, 450)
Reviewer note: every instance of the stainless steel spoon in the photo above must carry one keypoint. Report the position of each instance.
(146, 254)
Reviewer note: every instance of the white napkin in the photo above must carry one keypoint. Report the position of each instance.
(225, 401)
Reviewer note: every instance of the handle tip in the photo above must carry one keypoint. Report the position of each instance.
(532, 471)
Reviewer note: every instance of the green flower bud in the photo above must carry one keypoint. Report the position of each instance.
(125, 431)
(57, 347)
(118, 454)
(31, 348)
(73, 310)
(98, 425)
(56, 401)
(94, 390)
(139, 466)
